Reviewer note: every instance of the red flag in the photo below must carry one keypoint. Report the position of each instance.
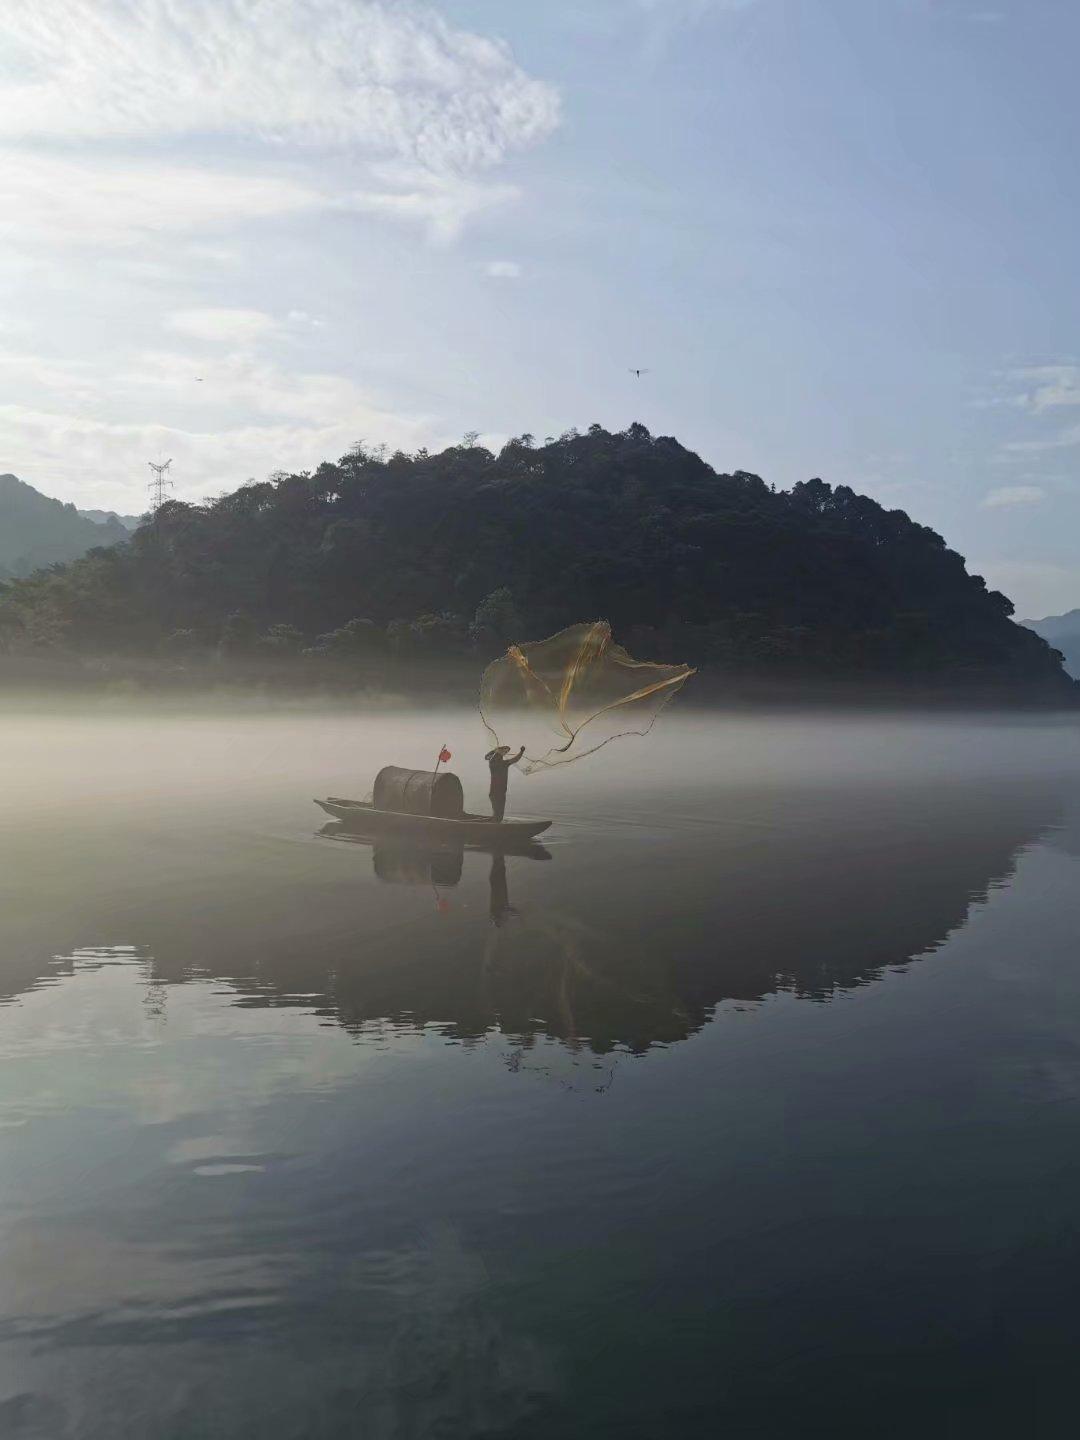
(444, 755)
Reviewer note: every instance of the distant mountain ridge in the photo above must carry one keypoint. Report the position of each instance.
(104, 517)
(1063, 633)
(37, 531)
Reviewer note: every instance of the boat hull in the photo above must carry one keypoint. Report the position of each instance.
(469, 830)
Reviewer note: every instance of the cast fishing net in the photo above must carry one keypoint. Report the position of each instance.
(565, 697)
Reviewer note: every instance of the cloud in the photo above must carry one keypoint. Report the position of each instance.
(394, 80)
(1039, 390)
(503, 269)
(156, 136)
(691, 9)
(66, 203)
(82, 202)
(441, 202)
(1064, 440)
(396, 111)
(72, 383)
(247, 418)
(236, 327)
(958, 12)
(86, 459)
(238, 384)
(1048, 386)
(1006, 495)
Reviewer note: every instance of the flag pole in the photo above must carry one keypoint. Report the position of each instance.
(438, 762)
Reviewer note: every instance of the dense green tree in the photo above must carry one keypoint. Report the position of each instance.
(497, 622)
(428, 637)
(282, 640)
(239, 636)
(355, 640)
(180, 643)
(686, 563)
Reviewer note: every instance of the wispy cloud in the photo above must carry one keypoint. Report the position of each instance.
(1048, 386)
(1037, 392)
(660, 25)
(232, 327)
(84, 429)
(964, 13)
(442, 202)
(398, 112)
(503, 269)
(1064, 439)
(110, 202)
(692, 9)
(1006, 495)
(246, 418)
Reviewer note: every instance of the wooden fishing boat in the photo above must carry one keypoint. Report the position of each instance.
(426, 805)
(465, 829)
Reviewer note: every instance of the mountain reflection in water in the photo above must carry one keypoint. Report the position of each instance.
(621, 939)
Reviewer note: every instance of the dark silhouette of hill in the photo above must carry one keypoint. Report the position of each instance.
(36, 531)
(378, 560)
(1063, 633)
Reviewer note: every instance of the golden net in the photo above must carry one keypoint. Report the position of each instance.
(565, 697)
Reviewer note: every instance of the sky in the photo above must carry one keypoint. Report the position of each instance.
(838, 234)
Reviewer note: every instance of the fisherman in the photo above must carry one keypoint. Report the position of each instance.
(499, 762)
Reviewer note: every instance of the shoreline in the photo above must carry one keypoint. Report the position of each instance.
(118, 682)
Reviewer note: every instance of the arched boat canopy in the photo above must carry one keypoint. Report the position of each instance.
(419, 792)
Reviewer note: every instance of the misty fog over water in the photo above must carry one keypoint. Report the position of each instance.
(772, 1037)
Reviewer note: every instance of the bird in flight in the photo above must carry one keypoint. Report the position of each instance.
(198, 379)
(638, 373)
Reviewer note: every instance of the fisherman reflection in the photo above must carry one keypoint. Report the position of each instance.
(500, 908)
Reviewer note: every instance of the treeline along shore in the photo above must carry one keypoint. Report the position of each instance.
(395, 573)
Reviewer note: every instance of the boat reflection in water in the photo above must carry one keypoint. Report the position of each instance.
(441, 866)
(397, 862)
(406, 865)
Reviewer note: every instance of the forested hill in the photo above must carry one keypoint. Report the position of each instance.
(377, 559)
(36, 530)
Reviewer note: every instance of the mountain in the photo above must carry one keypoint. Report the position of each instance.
(378, 559)
(1063, 633)
(106, 517)
(36, 531)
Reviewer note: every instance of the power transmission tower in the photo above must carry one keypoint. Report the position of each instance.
(159, 484)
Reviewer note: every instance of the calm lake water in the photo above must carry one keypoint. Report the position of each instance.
(748, 1106)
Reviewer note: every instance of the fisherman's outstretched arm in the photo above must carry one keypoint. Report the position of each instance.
(517, 757)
